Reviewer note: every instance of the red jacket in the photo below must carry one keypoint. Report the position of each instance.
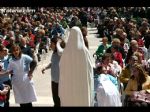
(118, 58)
(32, 40)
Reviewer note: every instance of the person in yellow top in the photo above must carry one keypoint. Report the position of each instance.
(140, 81)
(126, 72)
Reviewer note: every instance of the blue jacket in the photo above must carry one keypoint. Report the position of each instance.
(5, 62)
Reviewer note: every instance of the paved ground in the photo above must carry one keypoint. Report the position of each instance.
(42, 82)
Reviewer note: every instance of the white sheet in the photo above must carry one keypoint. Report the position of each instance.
(107, 93)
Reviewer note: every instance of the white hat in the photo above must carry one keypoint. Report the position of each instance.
(115, 18)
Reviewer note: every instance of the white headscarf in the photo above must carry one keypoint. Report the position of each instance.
(76, 85)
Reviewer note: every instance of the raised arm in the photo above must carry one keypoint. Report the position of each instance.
(59, 48)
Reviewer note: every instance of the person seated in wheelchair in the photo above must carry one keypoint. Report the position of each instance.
(107, 93)
(139, 82)
(111, 68)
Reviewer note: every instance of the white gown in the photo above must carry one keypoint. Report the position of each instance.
(107, 93)
(76, 84)
(23, 87)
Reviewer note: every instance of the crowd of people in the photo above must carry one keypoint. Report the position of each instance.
(122, 59)
(124, 52)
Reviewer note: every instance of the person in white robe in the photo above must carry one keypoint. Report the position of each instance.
(76, 84)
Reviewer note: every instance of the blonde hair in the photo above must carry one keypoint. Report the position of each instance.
(116, 41)
(119, 31)
(41, 31)
(104, 38)
(142, 73)
(139, 55)
(133, 42)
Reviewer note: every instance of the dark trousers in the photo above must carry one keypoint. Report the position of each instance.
(6, 104)
(56, 98)
(26, 105)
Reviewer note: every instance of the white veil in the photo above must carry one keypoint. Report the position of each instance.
(76, 84)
